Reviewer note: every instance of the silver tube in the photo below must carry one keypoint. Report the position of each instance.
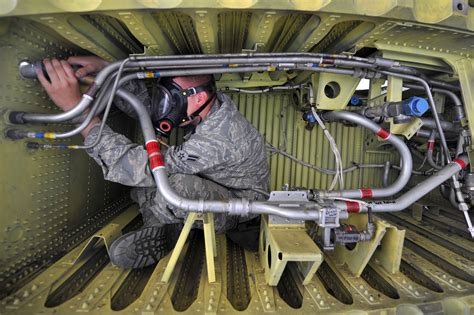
(432, 105)
(429, 151)
(404, 151)
(386, 173)
(421, 189)
(232, 206)
(458, 106)
(85, 101)
(411, 196)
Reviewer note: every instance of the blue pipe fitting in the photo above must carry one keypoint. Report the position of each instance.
(415, 106)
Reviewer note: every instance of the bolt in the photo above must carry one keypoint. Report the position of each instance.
(267, 299)
(16, 301)
(366, 292)
(265, 292)
(211, 301)
(268, 305)
(148, 307)
(321, 302)
(26, 293)
(84, 305)
(371, 298)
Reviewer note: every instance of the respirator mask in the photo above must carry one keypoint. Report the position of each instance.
(169, 109)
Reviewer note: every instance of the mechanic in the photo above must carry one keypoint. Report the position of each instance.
(222, 157)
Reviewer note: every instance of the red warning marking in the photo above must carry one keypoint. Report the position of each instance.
(366, 193)
(431, 145)
(352, 207)
(460, 162)
(384, 134)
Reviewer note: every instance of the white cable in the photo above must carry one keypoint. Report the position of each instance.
(350, 200)
(339, 168)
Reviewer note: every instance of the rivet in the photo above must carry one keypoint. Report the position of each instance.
(85, 305)
(268, 305)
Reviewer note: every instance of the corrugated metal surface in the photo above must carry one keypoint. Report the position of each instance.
(283, 127)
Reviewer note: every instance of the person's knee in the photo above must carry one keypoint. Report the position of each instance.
(188, 186)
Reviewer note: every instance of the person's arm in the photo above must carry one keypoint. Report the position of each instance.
(121, 160)
(199, 154)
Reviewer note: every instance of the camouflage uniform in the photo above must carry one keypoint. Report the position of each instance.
(224, 158)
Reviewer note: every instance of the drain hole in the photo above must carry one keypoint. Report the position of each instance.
(269, 256)
(376, 281)
(187, 285)
(288, 287)
(79, 280)
(415, 274)
(333, 284)
(131, 288)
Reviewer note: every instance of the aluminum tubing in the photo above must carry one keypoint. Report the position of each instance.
(404, 151)
(83, 104)
(231, 207)
(432, 105)
(459, 108)
(412, 195)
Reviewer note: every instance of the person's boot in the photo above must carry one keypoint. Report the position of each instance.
(145, 246)
(246, 234)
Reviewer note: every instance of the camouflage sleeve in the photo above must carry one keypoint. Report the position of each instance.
(198, 154)
(121, 160)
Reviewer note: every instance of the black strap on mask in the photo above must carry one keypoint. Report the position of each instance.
(207, 87)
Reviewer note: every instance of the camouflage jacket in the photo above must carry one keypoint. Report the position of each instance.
(224, 148)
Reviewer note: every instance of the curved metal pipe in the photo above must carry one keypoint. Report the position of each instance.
(458, 106)
(429, 151)
(432, 105)
(411, 196)
(232, 206)
(404, 151)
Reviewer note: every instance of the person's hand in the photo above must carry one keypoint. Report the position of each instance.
(90, 64)
(63, 87)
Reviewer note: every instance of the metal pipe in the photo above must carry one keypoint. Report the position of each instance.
(232, 206)
(432, 105)
(429, 151)
(411, 196)
(386, 173)
(458, 106)
(404, 151)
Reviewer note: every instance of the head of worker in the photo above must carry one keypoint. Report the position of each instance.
(182, 101)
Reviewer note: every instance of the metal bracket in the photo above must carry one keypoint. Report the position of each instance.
(278, 246)
(108, 233)
(209, 241)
